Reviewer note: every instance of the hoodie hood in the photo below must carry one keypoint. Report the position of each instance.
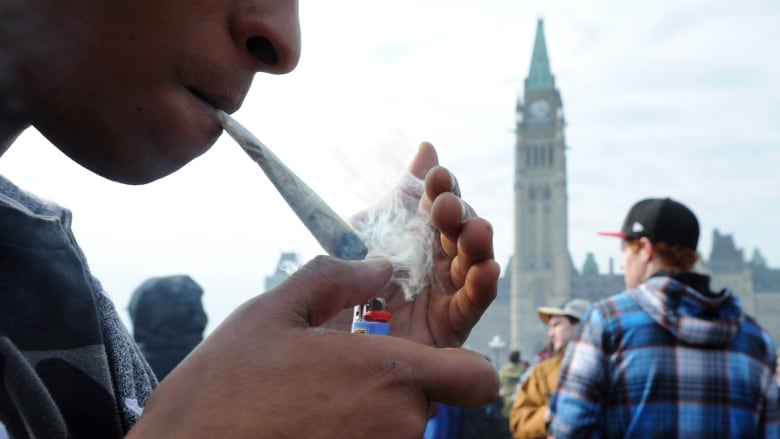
(167, 311)
(693, 316)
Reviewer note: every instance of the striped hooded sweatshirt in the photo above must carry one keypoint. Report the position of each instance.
(68, 365)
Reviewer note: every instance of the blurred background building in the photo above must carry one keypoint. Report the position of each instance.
(288, 263)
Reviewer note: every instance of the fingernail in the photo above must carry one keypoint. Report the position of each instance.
(454, 186)
(377, 263)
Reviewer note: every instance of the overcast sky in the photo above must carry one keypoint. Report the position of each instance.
(662, 98)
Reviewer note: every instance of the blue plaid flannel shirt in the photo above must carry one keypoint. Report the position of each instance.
(664, 360)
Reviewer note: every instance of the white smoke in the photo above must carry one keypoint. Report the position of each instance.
(397, 230)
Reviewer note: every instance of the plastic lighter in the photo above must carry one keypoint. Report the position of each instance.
(372, 318)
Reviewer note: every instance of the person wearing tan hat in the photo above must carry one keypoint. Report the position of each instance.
(530, 412)
(668, 357)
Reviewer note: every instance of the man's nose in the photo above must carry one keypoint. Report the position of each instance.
(269, 32)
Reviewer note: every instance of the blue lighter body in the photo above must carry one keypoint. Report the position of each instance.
(375, 328)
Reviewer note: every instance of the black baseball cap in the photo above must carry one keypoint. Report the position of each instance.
(660, 220)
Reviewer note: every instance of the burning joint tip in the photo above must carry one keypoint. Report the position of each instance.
(349, 246)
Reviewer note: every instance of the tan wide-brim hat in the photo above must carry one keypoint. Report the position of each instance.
(573, 308)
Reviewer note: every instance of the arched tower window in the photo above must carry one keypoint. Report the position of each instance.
(550, 155)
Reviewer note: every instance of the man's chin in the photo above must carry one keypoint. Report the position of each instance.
(136, 170)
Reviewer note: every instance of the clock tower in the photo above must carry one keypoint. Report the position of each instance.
(541, 266)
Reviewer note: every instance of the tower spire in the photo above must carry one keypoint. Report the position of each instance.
(540, 77)
(542, 270)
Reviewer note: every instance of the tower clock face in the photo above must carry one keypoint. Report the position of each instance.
(539, 108)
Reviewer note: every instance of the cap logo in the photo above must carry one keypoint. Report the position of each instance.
(637, 227)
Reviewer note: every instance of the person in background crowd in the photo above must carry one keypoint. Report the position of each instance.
(777, 373)
(477, 422)
(542, 354)
(777, 366)
(509, 376)
(530, 413)
(668, 357)
(168, 320)
(444, 422)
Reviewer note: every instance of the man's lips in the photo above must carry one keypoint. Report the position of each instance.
(226, 104)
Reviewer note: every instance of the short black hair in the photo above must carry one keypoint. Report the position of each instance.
(514, 357)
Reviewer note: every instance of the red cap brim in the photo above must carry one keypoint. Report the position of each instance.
(613, 234)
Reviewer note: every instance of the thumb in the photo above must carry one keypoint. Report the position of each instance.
(425, 159)
(457, 376)
(325, 286)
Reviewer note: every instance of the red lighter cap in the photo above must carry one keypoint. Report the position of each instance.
(377, 316)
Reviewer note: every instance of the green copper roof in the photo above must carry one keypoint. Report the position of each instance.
(758, 261)
(590, 266)
(540, 77)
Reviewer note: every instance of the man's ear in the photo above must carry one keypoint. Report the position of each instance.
(646, 248)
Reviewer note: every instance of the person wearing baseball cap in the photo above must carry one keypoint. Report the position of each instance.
(662, 234)
(530, 412)
(667, 357)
